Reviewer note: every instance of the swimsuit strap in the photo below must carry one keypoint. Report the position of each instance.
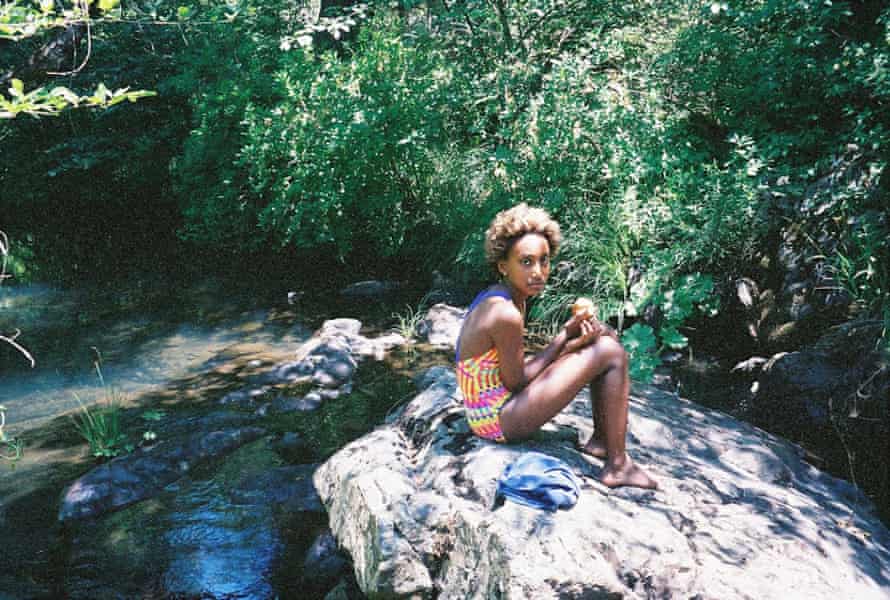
(490, 292)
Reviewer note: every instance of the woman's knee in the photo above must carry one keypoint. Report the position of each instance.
(610, 353)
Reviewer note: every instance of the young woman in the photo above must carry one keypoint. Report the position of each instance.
(508, 396)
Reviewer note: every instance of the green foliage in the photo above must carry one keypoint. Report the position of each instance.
(639, 342)
(762, 68)
(15, 256)
(861, 263)
(90, 191)
(807, 84)
(19, 20)
(100, 427)
(656, 132)
(343, 160)
(151, 416)
(408, 322)
(43, 102)
(675, 304)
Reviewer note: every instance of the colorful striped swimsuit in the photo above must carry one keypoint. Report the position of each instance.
(479, 379)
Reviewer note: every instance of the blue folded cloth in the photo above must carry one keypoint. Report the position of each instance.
(539, 481)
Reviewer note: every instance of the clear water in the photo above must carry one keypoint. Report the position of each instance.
(142, 339)
(177, 347)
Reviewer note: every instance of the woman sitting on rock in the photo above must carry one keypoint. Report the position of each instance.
(508, 396)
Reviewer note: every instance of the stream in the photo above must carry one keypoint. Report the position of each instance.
(171, 351)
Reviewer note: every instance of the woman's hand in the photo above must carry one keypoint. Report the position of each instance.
(582, 332)
(573, 326)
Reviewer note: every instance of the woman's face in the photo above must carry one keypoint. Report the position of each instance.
(527, 265)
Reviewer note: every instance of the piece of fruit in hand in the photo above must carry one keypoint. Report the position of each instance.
(584, 307)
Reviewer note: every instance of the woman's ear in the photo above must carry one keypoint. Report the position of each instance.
(502, 268)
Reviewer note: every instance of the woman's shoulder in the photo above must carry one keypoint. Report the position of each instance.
(500, 311)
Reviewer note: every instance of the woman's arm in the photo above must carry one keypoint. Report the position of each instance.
(591, 331)
(506, 331)
(540, 361)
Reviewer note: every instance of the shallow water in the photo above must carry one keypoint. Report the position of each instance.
(191, 541)
(178, 348)
(140, 338)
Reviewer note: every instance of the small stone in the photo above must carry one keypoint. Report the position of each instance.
(324, 563)
(430, 376)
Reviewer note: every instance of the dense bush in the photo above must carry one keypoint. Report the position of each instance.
(386, 137)
(671, 139)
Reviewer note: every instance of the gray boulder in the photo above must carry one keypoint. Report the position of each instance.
(371, 289)
(738, 514)
(441, 326)
(324, 367)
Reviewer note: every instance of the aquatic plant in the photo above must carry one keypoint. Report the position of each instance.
(100, 425)
(11, 449)
(408, 323)
(149, 416)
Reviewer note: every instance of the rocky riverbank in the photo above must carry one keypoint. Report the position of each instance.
(230, 501)
(739, 513)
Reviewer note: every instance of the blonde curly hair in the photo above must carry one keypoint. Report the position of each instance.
(511, 224)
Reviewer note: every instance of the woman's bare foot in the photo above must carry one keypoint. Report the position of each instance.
(627, 473)
(594, 447)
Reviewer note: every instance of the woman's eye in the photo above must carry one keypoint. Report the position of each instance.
(526, 261)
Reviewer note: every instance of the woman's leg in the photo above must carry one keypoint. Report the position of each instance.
(596, 445)
(604, 364)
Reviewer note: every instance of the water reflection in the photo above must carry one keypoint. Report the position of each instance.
(143, 342)
(192, 541)
(218, 549)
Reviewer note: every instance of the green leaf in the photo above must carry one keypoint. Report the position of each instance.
(68, 95)
(153, 415)
(101, 95)
(642, 367)
(107, 5)
(673, 338)
(638, 339)
(18, 88)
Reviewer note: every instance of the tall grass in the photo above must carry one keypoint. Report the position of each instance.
(100, 424)
(408, 322)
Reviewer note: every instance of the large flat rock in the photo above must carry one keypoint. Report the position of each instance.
(738, 515)
(144, 473)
